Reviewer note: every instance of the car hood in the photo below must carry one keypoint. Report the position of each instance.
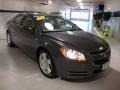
(80, 40)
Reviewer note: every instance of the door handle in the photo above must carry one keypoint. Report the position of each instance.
(36, 39)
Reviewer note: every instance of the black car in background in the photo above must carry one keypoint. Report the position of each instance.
(60, 47)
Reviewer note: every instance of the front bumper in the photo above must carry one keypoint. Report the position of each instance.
(72, 69)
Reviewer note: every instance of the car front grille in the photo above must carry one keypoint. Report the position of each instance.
(99, 51)
(100, 62)
(101, 57)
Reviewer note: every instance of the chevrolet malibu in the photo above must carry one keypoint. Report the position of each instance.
(59, 46)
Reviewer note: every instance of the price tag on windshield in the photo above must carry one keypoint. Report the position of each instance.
(40, 18)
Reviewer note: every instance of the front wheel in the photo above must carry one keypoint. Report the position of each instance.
(46, 64)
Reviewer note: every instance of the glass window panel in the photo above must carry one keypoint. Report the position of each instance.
(81, 24)
(80, 15)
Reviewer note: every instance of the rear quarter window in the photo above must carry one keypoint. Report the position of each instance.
(18, 20)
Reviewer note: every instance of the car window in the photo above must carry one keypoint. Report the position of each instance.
(28, 23)
(18, 19)
(63, 24)
(55, 23)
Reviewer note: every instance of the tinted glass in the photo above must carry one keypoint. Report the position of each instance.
(18, 19)
(28, 23)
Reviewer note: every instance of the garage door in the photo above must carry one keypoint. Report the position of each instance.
(81, 18)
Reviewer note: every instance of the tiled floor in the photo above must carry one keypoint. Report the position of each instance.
(19, 72)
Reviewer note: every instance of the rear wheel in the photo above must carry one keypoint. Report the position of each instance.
(46, 64)
(9, 40)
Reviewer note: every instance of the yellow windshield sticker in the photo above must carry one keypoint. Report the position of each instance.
(40, 18)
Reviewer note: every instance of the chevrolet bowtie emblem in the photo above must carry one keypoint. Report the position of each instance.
(101, 48)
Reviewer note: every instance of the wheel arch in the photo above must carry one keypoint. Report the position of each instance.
(54, 65)
(39, 49)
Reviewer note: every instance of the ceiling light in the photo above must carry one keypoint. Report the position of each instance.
(109, 9)
(81, 5)
(79, 0)
(50, 2)
(35, 13)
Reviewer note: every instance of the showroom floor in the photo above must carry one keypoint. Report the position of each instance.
(19, 72)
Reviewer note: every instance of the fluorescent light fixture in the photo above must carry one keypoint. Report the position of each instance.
(109, 8)
(79, 0)
(81, 5)
(50, 2)
(35, 13)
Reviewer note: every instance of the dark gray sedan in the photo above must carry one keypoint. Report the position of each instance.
(60, 47)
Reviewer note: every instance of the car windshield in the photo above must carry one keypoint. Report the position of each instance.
(55, 23)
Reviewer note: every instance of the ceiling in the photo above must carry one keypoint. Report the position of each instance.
(70, 2)
(84, 1)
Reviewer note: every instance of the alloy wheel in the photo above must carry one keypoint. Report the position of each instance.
(45, 63)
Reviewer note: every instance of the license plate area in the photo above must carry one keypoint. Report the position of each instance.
(105, 66)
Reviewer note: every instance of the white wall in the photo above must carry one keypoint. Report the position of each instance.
(29, 5)
(11, 5)
(17, 5)
(112, 5)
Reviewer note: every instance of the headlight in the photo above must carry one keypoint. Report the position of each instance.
(73, 54)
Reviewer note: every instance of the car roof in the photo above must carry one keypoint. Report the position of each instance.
(38, 14)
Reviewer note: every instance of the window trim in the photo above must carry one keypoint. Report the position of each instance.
(31, 20)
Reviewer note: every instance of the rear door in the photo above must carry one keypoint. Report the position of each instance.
(15, 28)
(29, 36)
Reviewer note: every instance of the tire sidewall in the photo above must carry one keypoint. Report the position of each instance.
(8, 35)
(53, 73)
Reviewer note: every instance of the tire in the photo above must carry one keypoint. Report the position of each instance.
(46, 64)
(9, 40)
